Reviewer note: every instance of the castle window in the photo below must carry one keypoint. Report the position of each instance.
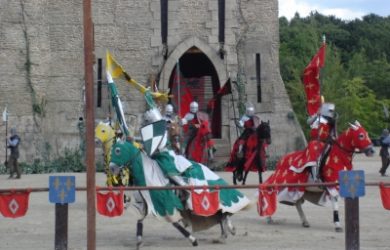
(164, 21)
(258, 76)
(99, 83)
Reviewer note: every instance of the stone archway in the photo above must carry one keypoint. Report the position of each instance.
(202, 73)
(178, 52)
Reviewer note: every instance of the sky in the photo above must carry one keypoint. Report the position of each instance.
(343, 9)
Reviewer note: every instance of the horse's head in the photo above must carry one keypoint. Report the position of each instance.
(359, 139)
(264, 132)
(104, 132)
(123, 153)
(174, 129)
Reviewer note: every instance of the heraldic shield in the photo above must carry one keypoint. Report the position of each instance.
(154, 136)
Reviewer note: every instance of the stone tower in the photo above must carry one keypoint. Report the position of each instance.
(211, 41)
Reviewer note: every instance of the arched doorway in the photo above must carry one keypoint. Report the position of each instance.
(198, 81)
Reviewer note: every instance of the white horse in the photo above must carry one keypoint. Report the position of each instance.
(167, 203)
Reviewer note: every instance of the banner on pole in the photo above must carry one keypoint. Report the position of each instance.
(62, 189)
(5, 114)
(352, 183)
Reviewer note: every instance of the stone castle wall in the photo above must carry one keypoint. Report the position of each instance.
(42, 73)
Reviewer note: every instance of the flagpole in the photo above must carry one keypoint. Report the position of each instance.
(90, 123)
(178, 87)
(234, 111)
(6, 135)
(321, 77)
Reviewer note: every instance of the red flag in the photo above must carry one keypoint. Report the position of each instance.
(266, 204)
(225, 90)
(385, 195)
(14, 204)
(110, 204)
(205, 203)
(311, 81)
(185, 101)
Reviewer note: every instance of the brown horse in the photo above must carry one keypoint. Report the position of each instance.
(174, 135)
(354, 139)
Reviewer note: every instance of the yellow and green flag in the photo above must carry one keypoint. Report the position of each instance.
(116, 71)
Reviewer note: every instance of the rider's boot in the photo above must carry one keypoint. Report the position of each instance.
(211, 154)
(240, 152)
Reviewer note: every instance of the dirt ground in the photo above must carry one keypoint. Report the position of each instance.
(35, 231)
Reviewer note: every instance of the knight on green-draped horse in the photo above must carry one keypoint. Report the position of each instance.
(154, 163)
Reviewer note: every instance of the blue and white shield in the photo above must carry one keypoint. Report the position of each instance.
(154, 136)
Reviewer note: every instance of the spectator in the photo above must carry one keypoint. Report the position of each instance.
(384, 152)
(13, 144)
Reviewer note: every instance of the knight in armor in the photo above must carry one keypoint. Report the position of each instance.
(193, 121)
(323, 124)
(248, 124)
(191, 118)
(173, 128)
(322, 134)
(237, 156)
(169, 115)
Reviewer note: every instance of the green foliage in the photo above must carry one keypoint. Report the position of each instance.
(71, 161)
(356, 72)
(240, 87)
(271, 162)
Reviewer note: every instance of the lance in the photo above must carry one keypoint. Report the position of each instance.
(234, 112)
(179, 102)
(178, 87)
(386, 113)
(5, 119)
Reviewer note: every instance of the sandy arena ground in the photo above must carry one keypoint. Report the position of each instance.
(35, 231)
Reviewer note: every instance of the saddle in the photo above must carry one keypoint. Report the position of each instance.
(315, 175)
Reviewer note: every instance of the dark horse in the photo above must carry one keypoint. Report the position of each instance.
(253, 157)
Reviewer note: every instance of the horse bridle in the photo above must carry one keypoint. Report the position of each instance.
(345, 149)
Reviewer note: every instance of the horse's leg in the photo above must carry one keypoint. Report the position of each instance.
(234, 177)
(231, 228)
(223, 224)
(140, 226)
(269, 220)
(244, 178)
(336, 219)
(238, 174)
(302, 215)
(186, 234)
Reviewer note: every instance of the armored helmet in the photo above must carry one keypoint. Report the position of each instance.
(168, 109)
(328, 110)
(152, 115)
(13, 131)
(194, 107)
(249, 110)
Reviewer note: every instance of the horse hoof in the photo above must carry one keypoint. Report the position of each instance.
(195, 243)
(338, 229)
(139, 245)
(221, 240)
(270, 221)
(232, 230)
(305, 224)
